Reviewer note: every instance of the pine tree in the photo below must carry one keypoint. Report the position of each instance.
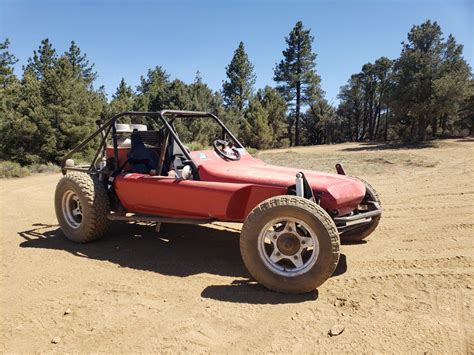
(43, 60)
(75, 109)
(28, 135)
(296, 73)
(237, 89)
(55, 109)
(351, 106)
(276, 107)
(451, 88)
(7, 61)
(256, 131)
(152, 93)
(431, 79)
(322, 124)
(9, 91)
(80, 63)
(466, 112)
(365, 101)
(202, 98)
(123, 99)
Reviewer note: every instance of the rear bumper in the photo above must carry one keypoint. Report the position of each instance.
(358, 219)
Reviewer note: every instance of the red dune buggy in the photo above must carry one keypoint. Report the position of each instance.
(293, 220)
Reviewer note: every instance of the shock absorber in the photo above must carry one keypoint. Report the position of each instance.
(299, 185)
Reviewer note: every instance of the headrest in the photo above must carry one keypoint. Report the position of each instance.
(122, 128)
(138, 127)
(136, 139)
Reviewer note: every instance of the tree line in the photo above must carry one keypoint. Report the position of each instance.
(428, 91)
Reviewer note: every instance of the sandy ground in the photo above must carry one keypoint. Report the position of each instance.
(409, 288)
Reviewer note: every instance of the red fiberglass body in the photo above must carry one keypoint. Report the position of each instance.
(229, 190)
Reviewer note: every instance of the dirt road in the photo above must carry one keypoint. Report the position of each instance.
(409, 288)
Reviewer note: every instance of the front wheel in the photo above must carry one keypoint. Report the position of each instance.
(289, 244)
(358, 234)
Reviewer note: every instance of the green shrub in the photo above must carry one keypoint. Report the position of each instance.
(252, 151)
(43, 168)
(10, 169)
(193, 146)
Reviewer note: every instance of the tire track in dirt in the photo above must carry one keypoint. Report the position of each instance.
(463, 338)
(447, 345)
(429, 208)
(420, 280)
(417, 264)
(458, 226)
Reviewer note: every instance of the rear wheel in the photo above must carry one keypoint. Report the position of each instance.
(289, 244)
(363, 232)
(82, 206)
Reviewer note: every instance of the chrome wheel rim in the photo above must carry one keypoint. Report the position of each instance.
(72, 209)
(288, 246)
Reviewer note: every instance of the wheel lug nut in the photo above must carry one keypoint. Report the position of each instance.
(278, 254)
(295, 257)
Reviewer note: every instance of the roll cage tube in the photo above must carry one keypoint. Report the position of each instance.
(109, 125)
(196, 114)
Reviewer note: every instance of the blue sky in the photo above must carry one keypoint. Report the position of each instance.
(126, 38)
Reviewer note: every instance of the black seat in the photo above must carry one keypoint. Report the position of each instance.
(140, 158)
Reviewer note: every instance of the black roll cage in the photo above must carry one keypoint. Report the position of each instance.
(167, 117)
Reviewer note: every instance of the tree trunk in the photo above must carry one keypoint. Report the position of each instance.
(350, 130)
(434, 126)
(290, 134)
(444, 124)
(356, 126)
(378, 113)
(364, 122)
(377, 125)
(297, 113)
(371, 118)
(422, 125)
(385, 133)
(413, 128)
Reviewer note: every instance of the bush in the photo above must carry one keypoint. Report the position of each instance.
(10, 169)
(43, 168)
(252, 151)
(193, 146)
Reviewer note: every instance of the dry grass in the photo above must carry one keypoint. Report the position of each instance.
(356, 162)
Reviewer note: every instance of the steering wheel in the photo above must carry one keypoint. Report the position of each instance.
(226, 150)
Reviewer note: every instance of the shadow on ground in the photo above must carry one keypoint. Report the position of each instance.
(178, 250)
(373, 146)
(246, 291)
(465, 139)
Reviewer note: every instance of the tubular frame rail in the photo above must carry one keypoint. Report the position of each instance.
(167, 117)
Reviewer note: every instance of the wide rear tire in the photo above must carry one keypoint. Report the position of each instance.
(82, 206)
(289, 244)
